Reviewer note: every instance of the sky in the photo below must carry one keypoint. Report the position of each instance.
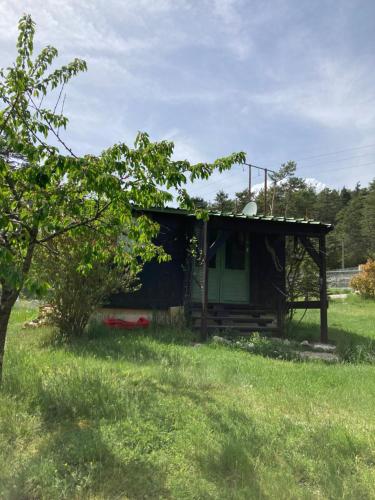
(278, 79)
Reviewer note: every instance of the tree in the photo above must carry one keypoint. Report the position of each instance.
(75, 290)
(198, 202)
(241, 200)
(368, 221)
(345, 196)
(302, 276)
(45, 193)
(285, 184)
(364, 282)
(222, 202)
(350, 230)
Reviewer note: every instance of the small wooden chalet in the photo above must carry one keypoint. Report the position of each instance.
(227, 273)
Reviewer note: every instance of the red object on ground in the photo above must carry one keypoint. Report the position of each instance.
(126, 325)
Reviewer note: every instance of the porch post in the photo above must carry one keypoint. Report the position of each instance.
(204, 283)
(323, 289)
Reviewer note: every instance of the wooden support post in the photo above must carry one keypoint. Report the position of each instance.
(281, 319)
(204, 283)
(323, 290)
(265, 190)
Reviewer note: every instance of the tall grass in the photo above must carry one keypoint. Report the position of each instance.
(148, 415)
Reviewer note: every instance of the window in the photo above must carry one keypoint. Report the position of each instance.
(235, 251)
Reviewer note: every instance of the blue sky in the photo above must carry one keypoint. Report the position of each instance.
(281, 80)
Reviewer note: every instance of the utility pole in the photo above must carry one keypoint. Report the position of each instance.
(265, 190)
(342, 254)
(249, 182)
(266, 171)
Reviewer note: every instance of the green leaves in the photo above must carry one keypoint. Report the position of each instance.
(47, 192)
(25, 42)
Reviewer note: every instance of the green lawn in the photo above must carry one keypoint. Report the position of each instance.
(145, 416)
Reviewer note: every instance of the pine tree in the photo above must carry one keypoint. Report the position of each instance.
(368, 220)
(223, 203)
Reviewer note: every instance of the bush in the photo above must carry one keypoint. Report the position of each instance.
(364, 283)
(302, 275)
(80, 278)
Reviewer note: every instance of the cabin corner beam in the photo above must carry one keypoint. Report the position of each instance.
(323, 290)
(204, 282)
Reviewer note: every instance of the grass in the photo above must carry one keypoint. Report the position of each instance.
(334, 291)
(150, 416)
(351, 327)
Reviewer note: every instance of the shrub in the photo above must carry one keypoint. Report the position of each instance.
(364, 283)
(302, 275)
(80, 278)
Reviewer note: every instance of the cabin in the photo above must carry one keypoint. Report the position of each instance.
(225, 273)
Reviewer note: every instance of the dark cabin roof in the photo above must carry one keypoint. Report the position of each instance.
(287, 225)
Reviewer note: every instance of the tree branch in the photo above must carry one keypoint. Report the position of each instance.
(75, 225)
(50, 126)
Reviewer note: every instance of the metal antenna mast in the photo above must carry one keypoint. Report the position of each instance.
(266, 172)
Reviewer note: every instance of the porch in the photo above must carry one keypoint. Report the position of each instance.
(239, 284)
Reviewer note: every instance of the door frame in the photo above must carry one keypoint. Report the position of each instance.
(216, 274)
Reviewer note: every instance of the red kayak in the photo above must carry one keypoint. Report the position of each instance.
(126, 325)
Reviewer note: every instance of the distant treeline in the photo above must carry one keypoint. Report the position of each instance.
(351, 211)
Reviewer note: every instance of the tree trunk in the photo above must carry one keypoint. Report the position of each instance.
(9, 295)
(8, 299)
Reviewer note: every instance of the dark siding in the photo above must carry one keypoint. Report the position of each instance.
(162, 284)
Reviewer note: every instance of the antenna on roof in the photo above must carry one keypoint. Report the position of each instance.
(250, 209)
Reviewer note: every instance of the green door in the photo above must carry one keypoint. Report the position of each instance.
(228, 273)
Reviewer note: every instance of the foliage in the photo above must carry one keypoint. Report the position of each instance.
(285, 184)
(222, 203)
(368, 220)
(149, 415)
(197, 202)
(364, 283)
(80, 270)
(45, 194)
(265, 346)
(241, 200)
(302, 274)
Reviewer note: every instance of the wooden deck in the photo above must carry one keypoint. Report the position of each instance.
(236, 319)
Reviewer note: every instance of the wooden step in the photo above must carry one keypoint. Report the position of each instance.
(234, 307)
(239, 327)
(237, 317)
(243, 330)
(243, 324)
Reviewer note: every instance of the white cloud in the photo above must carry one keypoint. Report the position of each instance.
(337, 97)
(224, 75)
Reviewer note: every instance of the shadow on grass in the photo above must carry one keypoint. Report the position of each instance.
(110, 433)
(311, 331)
(350, 345)
(114, 447)
(75, 460)
(162, 345)
(118, 441)
(137, 346)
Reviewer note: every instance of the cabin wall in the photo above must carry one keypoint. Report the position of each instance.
(162, 283)
(165, 285)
